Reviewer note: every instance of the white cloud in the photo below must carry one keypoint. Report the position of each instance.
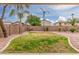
(48, 20)
(61, 7)
(61, 19)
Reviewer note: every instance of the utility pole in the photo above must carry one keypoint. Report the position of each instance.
(72, 15)
(44, 14)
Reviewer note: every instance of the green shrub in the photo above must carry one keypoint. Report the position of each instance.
(59, 29)
(72, 30)
(46, 29)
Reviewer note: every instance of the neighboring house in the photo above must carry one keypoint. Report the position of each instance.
(46, 23)
(65, 22)
(7, 23)
(62, 23)
(61, 20)
(17, 22)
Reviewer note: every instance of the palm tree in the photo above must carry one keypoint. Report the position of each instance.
(20, 16)
(18, 7)
(1, 20)
(73, 20)
(20, 10)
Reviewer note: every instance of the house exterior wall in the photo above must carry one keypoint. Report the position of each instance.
(63, 24)
(46, 23)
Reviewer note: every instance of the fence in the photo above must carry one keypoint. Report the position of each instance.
(16, 28)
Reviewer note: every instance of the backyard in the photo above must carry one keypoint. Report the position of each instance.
(35, 28)
(40, 42)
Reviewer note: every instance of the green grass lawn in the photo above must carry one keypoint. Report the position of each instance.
(40, 42)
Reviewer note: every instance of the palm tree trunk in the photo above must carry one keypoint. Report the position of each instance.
(20, 27)
(1, 21)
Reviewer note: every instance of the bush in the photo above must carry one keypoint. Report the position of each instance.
(59, 29)
(46, 29)
(33, 20)
(72, 30)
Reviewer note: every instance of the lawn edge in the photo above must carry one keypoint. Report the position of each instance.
(15, 36)
(72, 45)
(27, 32)
(69, 42)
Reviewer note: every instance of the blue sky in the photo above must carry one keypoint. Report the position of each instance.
(53, 11)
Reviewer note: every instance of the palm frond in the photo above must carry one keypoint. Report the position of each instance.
(27, 5)
(12, 12)
(20, 15)
(21, 6)
(26, 11)
(4, 10)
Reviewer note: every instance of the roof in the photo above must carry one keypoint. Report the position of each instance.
(46, 21)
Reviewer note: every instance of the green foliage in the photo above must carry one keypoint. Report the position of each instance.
(12, 12)
(3, 11)
(39, 42)
(72, 30)
(33, 20)
(46, 28)
(19, 10)
(59, 29)
(20, 15)
(15, 10)
(73, 22)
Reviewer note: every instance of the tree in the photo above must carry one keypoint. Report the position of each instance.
(20, 16)
(73, 20)
(18, 7)
(1, 21)
(20, 10)
(33, 20)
